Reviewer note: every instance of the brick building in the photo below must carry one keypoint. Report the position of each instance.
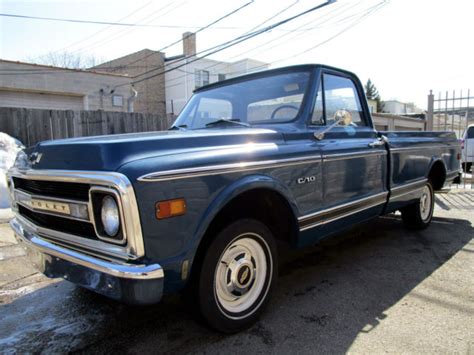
(150, 93)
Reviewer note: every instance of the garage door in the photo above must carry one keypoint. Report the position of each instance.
(39, 100)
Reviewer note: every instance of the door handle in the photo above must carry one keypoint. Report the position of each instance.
(379, 142)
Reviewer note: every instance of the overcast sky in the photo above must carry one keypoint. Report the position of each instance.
(406, 47)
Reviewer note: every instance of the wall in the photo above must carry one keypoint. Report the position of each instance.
(39, 86)
(31, 126)
(388, 122)
(151, 92)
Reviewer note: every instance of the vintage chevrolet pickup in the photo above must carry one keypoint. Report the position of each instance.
(281, 158)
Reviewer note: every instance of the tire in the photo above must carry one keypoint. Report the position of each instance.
(466, 167)
(237, 275)
(418, 215)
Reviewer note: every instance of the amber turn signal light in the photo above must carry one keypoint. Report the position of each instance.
(170, 208)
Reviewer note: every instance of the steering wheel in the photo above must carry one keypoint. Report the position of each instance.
(282, 107)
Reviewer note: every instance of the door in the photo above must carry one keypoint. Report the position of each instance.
(354, 161)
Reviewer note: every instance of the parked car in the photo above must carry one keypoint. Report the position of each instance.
(281, 158)
(468, 148)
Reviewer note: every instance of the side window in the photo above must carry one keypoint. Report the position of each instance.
(318, 112)
(470, 133)
(341, 94)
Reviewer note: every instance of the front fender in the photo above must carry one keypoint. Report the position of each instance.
(244, 184)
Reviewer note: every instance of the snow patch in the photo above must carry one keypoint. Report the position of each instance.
(9, 148)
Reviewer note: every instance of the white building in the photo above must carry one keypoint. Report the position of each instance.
(400, 108)
(180, 83)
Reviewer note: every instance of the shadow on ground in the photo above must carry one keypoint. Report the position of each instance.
(326, 296)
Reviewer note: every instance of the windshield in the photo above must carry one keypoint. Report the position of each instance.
(271, 99)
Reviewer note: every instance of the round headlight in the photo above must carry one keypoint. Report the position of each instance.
(110, 216)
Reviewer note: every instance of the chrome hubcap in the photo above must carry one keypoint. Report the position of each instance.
(241, 274)
(425, 203)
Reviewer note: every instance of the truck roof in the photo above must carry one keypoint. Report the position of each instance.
(263, 73)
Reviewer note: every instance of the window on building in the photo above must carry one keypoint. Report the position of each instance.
(117, 100)
(201, 78)
(220, 77)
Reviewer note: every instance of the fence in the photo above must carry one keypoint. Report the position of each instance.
(455, 113)
(31, 126)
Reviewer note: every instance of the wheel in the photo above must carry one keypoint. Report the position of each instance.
(466, 167)
(419, 214)
(238, 272)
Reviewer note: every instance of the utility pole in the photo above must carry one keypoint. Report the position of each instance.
(429, 113)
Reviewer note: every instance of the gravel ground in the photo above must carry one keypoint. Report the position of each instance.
(377, 288)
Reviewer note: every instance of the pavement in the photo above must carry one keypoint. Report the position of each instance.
(375, 289)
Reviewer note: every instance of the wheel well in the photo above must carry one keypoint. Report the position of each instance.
(437, 175)
(265, 205)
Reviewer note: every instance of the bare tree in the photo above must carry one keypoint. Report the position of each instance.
(66, 60)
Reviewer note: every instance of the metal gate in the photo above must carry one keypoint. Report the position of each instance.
(453, 112)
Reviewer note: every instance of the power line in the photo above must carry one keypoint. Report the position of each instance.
(365, 14)
(153, 16)
(99, 22)
(275, 39)
(265, 48)
(199, 30)
(129, 65)
(103, 29)
(231, 43)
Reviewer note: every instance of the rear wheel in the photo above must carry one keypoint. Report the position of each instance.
(237, 275)
(466, 167)
(419, 214)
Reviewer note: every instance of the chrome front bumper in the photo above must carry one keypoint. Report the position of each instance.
(129, 283)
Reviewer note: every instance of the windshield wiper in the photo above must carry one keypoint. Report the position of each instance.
(226, 121)
(181, 127)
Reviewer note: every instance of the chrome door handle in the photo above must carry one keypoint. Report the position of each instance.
(379, 142)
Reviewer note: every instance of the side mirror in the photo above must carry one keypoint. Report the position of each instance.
(341, 117)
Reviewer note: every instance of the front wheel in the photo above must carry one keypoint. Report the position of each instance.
(419, 214)
(237, 275)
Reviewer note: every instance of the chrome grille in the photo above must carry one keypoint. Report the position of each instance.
(57, 205)
(81, 229)
(70, 190)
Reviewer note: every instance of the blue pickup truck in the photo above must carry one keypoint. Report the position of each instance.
(271, 160)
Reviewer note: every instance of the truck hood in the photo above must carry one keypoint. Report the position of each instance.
(109, 153)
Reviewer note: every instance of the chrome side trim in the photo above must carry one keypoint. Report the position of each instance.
(423, 147)
(121, 270)
(406, 189)
(249, 166)
(353, 155)
(344, 210)
(226, 168)
(135, 247)
(410, 184)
